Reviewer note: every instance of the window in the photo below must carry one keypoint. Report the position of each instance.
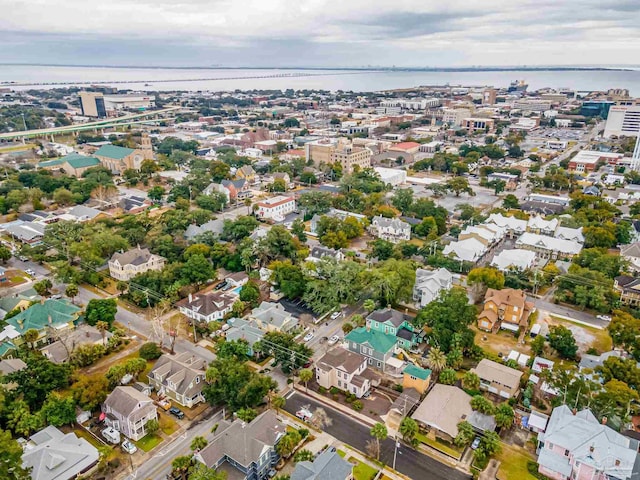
(566, 453)
(617, 462)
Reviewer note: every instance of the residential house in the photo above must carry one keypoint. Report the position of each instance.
(629, 289)
(487, 234)
(444, 407)
(207, 306)
(127, 410)
(237, 279)
(246, 172)
(272, 317)
(469, 250)
(278, 176)
(591, 362)
(510, 180)
(392, 322)
(392, 230)
(218, 188)
(238, 189)
(45, 317)
(631, 253)
(318, 252)
(343, 369)
(512, 225)
(246, 330)
(328, 465)
(20, 301)
(497, 378)
(126, 265)
(376, 346)
(133, 204)
(54, 455)
(245, 451)
(275, 208)
(514, 259)
(430, 284)
(82, 213)
(416, 378)
(214, 227)
(548, 247)
(576, 445)
(118, 159)
(507, 308)
(537, 224)
(8, 366)
(401, 407)
(60, 350)
(30, 233)
(181, 378)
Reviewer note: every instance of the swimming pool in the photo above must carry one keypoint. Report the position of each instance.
(237, 290)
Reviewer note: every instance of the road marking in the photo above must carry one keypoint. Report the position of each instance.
(290, 394)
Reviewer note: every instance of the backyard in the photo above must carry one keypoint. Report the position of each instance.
(513, 463)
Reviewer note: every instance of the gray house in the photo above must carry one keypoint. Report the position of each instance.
(392, 230)
(53, 455)
(376, 346)
(128, 411)
(244, 330)
(180, 378)
(326, 466)
(245, 450)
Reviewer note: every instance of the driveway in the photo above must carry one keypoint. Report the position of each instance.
(408, 461)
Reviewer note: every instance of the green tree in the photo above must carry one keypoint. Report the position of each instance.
(156, 193)
(436, 359)
(180, 466)
(510, 201)
(278, 402)
(101, 310)
(31, 337)
(58, 410)
(471, 381)
(298, 229)
(42, 287)
(250, 293)
(408, 429)
(465, 434)
(459, 185)
(71, 291)
(202, 472)
(303, 455)
(561, 340)
(482, 405)
(11, 452)
(455, 358)
(288, 443)
(246, 414)
(288, 353)
(150, 351)
(152, 426)
(379, 432)
(447, 376)
(305, 375)
(482, 278)
(197, 269)
(5, 254)
(369, 305)
(90, 392)
(537, 345)
(236, 349)
(198, 443)
(402, 199)
(504, 415)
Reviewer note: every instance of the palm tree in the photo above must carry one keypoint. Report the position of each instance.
(305, 375)
(72, 292)
(198, 443)
(471, 381)
(369, 305)
(408, 429)
(247, 203)
(378, 432)
(436, 359)
(102, 327)
(278, 403)
(180, 465)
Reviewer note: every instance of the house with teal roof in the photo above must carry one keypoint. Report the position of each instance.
(393, 322)
(51, 313)
(118, 159)
(376, 346)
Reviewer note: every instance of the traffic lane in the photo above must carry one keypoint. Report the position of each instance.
(552, 308)
(20, 265)
(410, 462)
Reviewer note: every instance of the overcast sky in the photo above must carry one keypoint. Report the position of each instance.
(322, 33)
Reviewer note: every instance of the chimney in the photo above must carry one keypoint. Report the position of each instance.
(190, 298)
(49, 320)
(574, 411)
(604, 420)
(42, 301)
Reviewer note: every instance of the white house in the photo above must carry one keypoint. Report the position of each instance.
(125, 266)
(275, 208)
(514, 259)
(128, 411)
(343, 369)
(209, 306)
(469, 250)
(390, 229)
(429, 284)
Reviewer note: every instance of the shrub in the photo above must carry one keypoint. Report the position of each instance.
(150, 351)
(322, 390)
(334, 391)
(357, 405)
(304, 432)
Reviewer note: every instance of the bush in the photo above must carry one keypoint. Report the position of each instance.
(398, 388)
(322, 390)
(334, 391)
(304, 432)
(150, 351)
(357, 405)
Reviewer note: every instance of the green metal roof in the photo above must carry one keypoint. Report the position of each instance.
(415, 371)
(81, 161)
(6, 347)
(113, 151)
(51, 163)
(37, 315)
(379, 341)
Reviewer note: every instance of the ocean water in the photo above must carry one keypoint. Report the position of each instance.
(169, 79)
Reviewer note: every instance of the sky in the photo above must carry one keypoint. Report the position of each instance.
(320, 33)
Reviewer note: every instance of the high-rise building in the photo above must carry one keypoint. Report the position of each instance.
(92, 104)
(489, 96)
(623, 121)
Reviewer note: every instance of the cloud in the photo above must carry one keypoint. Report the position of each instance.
(320, 32)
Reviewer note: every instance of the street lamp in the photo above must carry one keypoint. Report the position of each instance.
(395, 451)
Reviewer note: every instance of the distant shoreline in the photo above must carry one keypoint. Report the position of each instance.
(355, 69)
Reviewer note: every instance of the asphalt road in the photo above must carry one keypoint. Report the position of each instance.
(408, 461)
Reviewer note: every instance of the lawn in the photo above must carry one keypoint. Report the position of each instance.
(439, 445)
(82, 433)
(586, 337)
(362, 471)
(341, 453)
(149, 442)
(167, 424)
(513, 463)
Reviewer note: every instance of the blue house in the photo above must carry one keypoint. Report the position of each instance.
(395, 323)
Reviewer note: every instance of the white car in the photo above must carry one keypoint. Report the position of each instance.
(129, 447)
(30, 272)
(333, 340)
(308, 337)
(335, 315)
(606, 318)
(304, 414)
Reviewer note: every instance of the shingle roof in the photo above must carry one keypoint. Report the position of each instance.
(377, 340)
(113, 151)
(125, 400)
(135, 256)
(443, 408)
(327, 466)
(342, 359)
(490, 370)
(391, 315)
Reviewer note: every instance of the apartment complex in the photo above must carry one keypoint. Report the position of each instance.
(623, 120)
(342, 151)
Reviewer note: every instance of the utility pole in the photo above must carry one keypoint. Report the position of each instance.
(395, 450)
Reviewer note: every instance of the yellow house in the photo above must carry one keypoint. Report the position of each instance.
(416, 378)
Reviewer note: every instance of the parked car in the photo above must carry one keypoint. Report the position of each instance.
(308, 337)
(57, 296)
(606, 318)
(23, 258)
(30, 272)
(333, 340)
(176, 412)
(335, 315)
(129, 447)
(304, 414)
(476, 443)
